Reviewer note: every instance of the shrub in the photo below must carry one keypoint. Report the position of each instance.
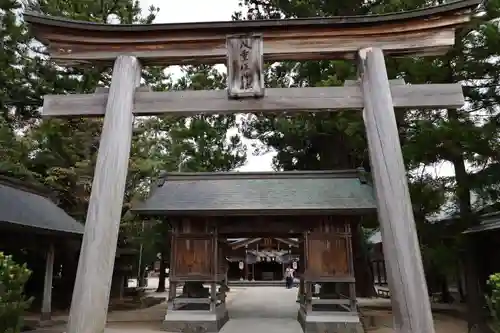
(493, 300)
(13, 302)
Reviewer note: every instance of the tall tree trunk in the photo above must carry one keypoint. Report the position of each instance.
(445, 290)
(162, 276)
(460, 283)
(164, 254)
(362, 272)
(477, 319)
(431, 278)
(475, 301)
(141, 280)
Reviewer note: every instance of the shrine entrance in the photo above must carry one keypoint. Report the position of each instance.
(262, 259)
(316, 213)
(311, 212)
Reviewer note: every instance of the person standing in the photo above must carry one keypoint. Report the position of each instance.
(289, 277)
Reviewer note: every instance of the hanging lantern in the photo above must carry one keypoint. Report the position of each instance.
(294, 265)
(241, 265)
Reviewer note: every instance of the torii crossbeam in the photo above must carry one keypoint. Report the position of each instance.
(429, 31)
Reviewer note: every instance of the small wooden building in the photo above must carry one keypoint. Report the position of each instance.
(484, 240)
(34, 230)
(319, 209)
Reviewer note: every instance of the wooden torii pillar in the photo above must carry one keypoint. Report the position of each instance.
(47, 283)
(429, 31)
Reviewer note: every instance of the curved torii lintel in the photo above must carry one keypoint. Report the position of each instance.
(429, 31)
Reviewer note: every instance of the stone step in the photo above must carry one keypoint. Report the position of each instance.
(257, 283)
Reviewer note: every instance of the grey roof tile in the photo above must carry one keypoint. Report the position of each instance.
(235, 193)
(489, 222)
(21, 207)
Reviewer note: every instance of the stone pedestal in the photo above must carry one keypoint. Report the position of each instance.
(196, 310)
(192, 321)
(328, 322)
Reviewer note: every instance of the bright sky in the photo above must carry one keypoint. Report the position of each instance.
(175, 11)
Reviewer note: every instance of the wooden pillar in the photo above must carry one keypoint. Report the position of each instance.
(300, 294)
(123, 281)
(215, 268)
(47, 286)
(95, 268)
(379, 270)
(352, 286)
(172, 294)
(410, 301)
(172, 284)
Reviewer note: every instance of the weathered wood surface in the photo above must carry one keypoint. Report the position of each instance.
(272, 226)
(328, 249)
(334, 224)
(245, 66)
(327, 257)
(194, 249)
(222, 263)
(293, 48)
(262, 243)
(255, 226)
(189, 103)
(95, 268)
(193, 258)
(186, 226)
(47, 285)
(216, 273)
(410, 301)
(422, 32)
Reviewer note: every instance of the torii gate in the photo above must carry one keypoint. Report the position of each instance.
(245, 45)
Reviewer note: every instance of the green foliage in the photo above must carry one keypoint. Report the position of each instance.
(465, 137)
(16, 96)
(366, 234)
(493, 300)
(64, 152)
(205, 143)
(61, 153)
(14, 151)
(13, 302)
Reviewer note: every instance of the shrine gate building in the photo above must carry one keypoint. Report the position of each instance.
(311, 212)
(262, 259)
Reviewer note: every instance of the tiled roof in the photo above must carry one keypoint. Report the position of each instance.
(238, 193)
(489, 222)
(26, 206)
